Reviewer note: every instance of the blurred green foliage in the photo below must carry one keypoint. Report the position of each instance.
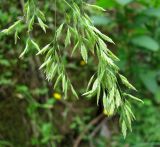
(27, 102)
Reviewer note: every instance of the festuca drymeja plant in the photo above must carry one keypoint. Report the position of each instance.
(87, 40)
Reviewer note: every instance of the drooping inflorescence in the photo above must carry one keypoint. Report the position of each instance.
(84, 38)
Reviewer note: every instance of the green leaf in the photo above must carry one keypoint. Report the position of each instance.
(53, 71)
(95, 7)
(128, 118)
(26, 49)
(59, 30)
(94, 89)
(118, 100)
(114, 57)
(42, 25)
(68, 38)
(126, 82)
(107, 59)
(16, 37)
(84, 53)
(74, 92)
(12, 27)
(28, 13)
(95, 85)
(104, 100)
(35, 45)
(111, 93)
(128, 107)
(146, 42)
(41, 15)
(45, 63)
(57, 81)
(43, 50)
(133, 97)
(74, 49)
(90, 82)
(102, 35)
(31, 22)
(124, 128)
(63, 82)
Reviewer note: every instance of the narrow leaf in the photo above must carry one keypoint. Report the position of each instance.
(75, 47)
(26, 49)
(57, 81)
(42, 25)
(126, 82)
(74, 92)
(67, 40)
(59, 30)
(95, 7)
(84, 53)
(133, 97)
(35, 45)
(43, 50)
